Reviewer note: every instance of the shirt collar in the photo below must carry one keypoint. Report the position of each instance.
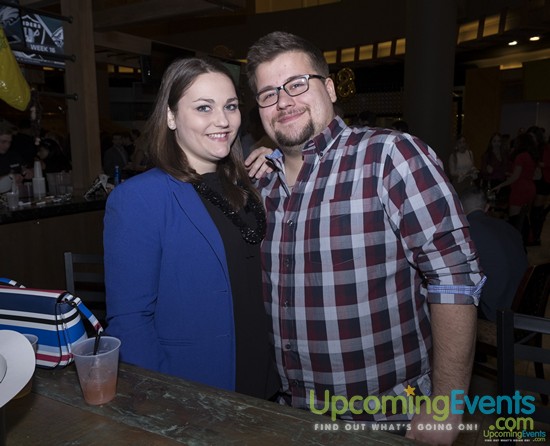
(319, 143)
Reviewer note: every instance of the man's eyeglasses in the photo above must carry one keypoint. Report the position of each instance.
(294, 87)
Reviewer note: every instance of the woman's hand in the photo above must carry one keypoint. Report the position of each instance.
(28, 174)
(257, 164)
(18, 177)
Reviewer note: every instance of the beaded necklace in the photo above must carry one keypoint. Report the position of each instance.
(252, 236)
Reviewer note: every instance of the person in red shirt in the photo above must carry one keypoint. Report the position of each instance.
(521, 182)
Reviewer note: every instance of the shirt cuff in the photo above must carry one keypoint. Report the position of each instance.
(456, 294)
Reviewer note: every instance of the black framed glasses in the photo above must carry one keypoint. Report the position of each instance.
(293, 87)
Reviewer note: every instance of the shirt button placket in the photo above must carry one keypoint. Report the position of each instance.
(286, 302)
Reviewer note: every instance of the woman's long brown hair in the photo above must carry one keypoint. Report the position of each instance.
(164, 150)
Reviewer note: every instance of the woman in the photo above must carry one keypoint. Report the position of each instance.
(495, 164)
(495, 168)
(52, 157)
(522, 186)
(461, 165)
(139, 159)
(182, 241)
(542, 185)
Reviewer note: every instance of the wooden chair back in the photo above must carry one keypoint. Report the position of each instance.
(531, 299)
(512, 350)
(85, 278)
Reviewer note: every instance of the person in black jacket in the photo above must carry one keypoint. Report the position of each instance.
(12, 164)
(501, 253)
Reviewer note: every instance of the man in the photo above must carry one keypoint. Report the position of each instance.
(12, 166)
(115, 156)
(364, 231)
(24, 142)
(501, 253)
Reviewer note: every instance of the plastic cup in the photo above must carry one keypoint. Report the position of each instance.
(51, 179)
(39, 187)
(13, 200)
(25, 190)
(28, 387)
(97, 374)
(64, 183)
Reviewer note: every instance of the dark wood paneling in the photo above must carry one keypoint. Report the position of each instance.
(32, 251)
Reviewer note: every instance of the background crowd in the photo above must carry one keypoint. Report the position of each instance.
(514, 173)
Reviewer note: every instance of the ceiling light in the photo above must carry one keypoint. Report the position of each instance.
(513, 42)
(511, 66)
(534, 38)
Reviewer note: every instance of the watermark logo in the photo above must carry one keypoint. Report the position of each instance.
(440, 407)
(513, 423)
(514, 429)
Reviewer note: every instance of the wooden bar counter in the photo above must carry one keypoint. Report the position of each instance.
(156, 409)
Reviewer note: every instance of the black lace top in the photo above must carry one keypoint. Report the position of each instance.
(255, 374)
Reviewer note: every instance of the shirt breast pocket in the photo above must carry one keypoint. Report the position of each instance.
(331, 227)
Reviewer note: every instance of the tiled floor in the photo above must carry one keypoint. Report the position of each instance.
(483, 386)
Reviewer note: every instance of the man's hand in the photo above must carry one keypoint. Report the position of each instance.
(257, 164)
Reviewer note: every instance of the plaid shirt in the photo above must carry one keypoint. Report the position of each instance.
(371, 233)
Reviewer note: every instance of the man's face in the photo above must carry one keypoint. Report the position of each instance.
(294, 120)
(117, 140)
(5, 143)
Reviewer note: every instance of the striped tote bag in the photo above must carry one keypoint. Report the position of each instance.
(56, 317)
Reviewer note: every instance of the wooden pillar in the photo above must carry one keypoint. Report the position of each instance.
(80, 78)
(103, 89)
(431, 34)
(481, 108)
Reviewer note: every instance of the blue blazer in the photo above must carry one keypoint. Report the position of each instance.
(168, 291)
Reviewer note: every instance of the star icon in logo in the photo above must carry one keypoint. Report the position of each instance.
(410, 390)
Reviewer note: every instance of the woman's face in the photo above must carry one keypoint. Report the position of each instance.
(42, 153)
(495, 142)
(206, 121)
(461, 145)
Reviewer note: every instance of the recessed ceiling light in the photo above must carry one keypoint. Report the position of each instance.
(534, 38)
(513, 42)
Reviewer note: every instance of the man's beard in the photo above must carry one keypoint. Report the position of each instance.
(295, 141)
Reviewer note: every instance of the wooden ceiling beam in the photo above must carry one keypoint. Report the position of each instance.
(118, 59)
(123, 42)
(38, 3)
(154, 10)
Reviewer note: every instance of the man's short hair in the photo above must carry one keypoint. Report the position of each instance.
(473, 198)
(6, 128)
